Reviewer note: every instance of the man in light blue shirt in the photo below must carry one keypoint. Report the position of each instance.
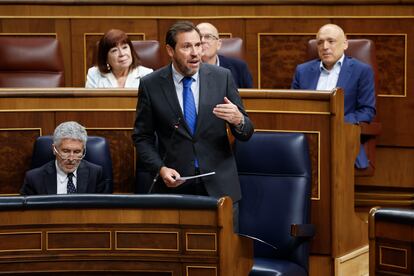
(335, 69)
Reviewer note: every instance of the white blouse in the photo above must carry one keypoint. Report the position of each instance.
(95, 79)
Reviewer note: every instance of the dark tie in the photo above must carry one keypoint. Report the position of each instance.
(190, 113)
(71, 187)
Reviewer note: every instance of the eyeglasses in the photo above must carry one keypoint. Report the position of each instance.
(209, 37)
(66, 155)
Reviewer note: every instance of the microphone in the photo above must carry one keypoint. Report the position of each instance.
(175, 126)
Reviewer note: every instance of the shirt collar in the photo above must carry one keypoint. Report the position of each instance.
(337, 64)
(61, 174)
(178, 77)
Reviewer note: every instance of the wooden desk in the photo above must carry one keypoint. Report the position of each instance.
(391, 241)
(27, 113)
(160, 235)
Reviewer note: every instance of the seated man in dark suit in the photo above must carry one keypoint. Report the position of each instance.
(335, 69)
(211, 44)
(68, 173)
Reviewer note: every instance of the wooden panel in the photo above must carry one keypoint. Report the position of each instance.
(201, 270)
(393, 176)
(282, 51)
(20, 241)
(123, 157)
(147, 241)
(144, 240)
(78, 240)
(201, 242)
(15, 157)
(391, 244)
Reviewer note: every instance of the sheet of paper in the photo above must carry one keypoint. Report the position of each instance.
(184, 178)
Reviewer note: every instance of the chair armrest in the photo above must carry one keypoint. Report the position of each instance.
(373, 128)
(302, 230)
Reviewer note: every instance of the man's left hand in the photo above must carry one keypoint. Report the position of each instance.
(229, 112)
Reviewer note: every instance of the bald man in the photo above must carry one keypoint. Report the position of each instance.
(211, 43)
(335, 69)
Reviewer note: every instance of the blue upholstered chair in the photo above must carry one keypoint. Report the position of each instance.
(275, 177)
(97, 152)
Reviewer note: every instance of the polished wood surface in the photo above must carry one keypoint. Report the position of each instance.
(391, 244)
(274, 34)
(143, 241)
(27, 113)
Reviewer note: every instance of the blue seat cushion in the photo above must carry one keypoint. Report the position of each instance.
(276, 267)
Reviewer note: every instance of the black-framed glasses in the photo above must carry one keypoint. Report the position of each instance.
(67, 155)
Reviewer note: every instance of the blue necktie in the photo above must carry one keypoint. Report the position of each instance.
(71, 187)
(190, 113)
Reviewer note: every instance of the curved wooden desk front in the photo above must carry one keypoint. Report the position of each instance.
(119, 234)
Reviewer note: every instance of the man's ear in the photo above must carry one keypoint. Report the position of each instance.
(170, 50)
(218, 44)
(53, 149)
(345, 44)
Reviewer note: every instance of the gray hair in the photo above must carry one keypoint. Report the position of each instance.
(70, 130)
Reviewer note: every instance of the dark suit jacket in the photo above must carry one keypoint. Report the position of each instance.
(158, 110)
(357, 80)
(239, 70)
(42, 180)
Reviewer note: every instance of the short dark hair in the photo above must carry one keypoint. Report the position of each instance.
(110, 39)
(179, 27)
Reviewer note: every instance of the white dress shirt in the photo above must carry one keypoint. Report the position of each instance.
(62, 180)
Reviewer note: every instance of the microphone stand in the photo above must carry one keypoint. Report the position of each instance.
(155, 179)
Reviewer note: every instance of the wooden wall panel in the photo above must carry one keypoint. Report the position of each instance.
(15, 157)
(18, 132)
(283, 52)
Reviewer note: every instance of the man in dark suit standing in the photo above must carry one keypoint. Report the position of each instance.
(211, 43)
(335, 69)
(196, 144)
(68, 173)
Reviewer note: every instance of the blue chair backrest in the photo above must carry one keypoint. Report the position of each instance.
(275, 177)
(97, 152)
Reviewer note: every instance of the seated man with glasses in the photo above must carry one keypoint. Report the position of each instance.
(211, 44)
(68, 173)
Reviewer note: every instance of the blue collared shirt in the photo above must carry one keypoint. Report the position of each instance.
(195, 87)
(329, 78)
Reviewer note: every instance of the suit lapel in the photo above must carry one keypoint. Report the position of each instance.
(170, 94)
(345, 74)
(203, 96)
(314, 74)
(82, 176)
(51, 178)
